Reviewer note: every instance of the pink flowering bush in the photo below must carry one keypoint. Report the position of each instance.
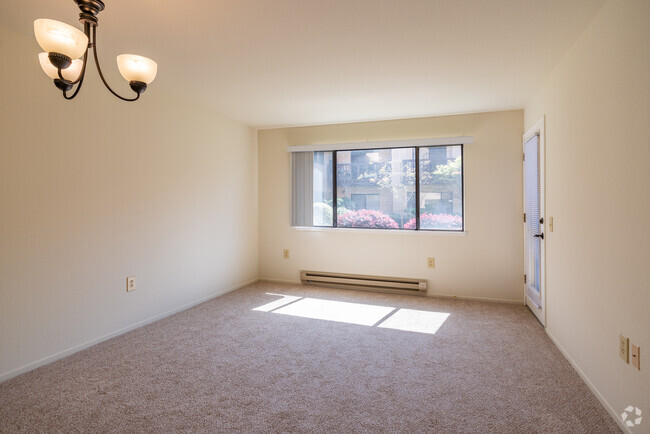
(437, 221)
(365, 218)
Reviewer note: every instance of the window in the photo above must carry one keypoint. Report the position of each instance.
(441, 188)
(375, 188)
(409, 188)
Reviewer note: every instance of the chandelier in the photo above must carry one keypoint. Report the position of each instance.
(65, 45)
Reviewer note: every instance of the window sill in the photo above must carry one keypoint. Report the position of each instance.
(381, 231)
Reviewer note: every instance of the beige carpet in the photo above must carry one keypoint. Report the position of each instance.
(224, 367)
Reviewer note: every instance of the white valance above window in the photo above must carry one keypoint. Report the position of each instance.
(463, 140)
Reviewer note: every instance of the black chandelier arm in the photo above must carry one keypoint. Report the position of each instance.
(99, 69)
(76, 91)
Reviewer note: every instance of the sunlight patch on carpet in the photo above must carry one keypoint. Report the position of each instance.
(286, 299)
(411, 320)
(339, 311)
(388, 317)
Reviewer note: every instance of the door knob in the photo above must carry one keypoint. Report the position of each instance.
(539, 235)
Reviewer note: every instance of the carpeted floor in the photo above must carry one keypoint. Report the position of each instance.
(381, 363)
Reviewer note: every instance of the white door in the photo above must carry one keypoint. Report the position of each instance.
(534, 221)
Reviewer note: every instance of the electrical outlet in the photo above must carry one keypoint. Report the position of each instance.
(431, 262)
(623, 348)
(635, 356)
(285, 253)
(130, 284)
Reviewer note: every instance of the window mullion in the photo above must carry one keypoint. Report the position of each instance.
(417, 189)
(462, 184)
(335, 214)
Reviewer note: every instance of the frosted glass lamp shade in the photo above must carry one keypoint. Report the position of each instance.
(71, 73)
(137, 68)
(57, 37)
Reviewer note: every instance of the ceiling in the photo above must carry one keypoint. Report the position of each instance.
(272, 63)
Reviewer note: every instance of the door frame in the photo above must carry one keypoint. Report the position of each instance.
(538, 310)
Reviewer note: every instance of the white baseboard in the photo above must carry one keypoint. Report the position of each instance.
(49, 359)
(488, 299)
(615, 415)
(288, 282)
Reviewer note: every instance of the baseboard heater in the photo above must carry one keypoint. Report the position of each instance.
(401, 285)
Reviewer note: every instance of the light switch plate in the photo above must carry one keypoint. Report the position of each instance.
(285, 253)
(624, 348)
(130, 283)
(635, 356)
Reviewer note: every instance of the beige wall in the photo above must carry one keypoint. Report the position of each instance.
(597, 111)
(484, 263)
(94, 190)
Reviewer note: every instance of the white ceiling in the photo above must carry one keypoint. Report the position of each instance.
(271, 63)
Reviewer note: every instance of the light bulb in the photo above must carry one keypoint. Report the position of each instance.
(57, 37)
(137, 68)
(71, 73)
